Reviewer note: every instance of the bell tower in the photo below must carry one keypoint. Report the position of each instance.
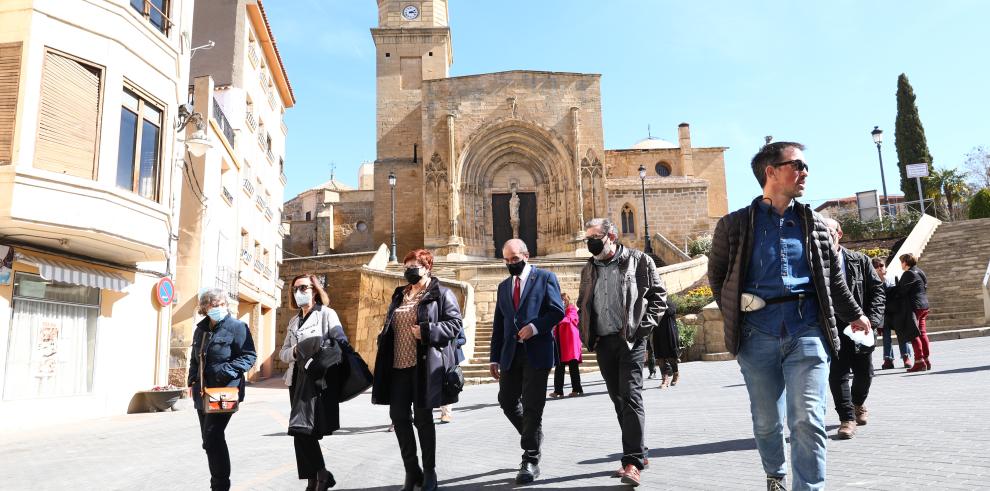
(412, 44)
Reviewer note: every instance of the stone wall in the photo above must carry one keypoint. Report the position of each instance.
(354, 226)
(676, 207)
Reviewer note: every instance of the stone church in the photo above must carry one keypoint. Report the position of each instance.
(478, 159)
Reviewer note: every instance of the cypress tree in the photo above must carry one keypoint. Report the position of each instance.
(909, 138)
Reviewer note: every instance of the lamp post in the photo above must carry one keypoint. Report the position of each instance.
(391, 185)
(646, 224)
(878, 139)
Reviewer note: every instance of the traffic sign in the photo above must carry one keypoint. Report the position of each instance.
(165, 292)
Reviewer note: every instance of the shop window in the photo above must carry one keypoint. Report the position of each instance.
(52, 341)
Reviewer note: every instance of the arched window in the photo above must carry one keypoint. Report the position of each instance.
(663, 169)
(628, 220)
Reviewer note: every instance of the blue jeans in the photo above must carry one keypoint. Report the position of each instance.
(888, 350)
(788, 376)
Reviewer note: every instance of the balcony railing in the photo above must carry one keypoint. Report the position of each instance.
(251, 121)
(223, 123)
(253, 55)
(270, 155)
(227, 280)
(268, 213)
(263, 140)
(247, 186)
(154, 15)
(268, 272)
(260, 202)
(229, 198)
(281, 176)
(285, 129)
(258, 265)
(246, 256)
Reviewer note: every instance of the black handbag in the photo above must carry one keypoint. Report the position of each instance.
(356, 377)
(453, 382)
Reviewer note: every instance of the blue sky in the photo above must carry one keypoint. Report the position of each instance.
(822, 73)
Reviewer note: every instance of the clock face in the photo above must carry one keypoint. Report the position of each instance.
(410, 12)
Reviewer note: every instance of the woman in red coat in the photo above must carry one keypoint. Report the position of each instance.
(568, 350)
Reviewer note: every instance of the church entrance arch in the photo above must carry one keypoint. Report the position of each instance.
(521, 158)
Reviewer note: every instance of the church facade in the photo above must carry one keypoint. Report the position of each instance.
(480, 159)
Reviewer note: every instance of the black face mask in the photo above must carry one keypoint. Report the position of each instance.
(516, 269)
(596, 246)
(412, 275)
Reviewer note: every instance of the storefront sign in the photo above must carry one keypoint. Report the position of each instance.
(165, 292)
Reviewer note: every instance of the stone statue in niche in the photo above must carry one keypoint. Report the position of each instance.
(514, 213)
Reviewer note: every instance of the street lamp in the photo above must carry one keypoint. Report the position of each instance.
(646, 224)
(878, 139)
(391, 185)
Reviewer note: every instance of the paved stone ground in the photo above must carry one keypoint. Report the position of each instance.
(927, 431)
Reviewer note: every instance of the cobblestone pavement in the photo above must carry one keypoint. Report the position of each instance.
(926, 431)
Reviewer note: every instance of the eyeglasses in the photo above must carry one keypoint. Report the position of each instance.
(599, 237)
(799, 165)
(302, 288)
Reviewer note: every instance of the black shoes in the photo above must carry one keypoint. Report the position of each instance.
(430, 480)
(528, 472)
(324, 480)
(414, 479)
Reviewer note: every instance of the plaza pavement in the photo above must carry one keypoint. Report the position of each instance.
(926, 431)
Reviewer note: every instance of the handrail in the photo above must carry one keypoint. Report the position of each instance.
(221, 119)
(986, 295)
(145, 10)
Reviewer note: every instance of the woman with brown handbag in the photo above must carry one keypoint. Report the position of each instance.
(222, 351)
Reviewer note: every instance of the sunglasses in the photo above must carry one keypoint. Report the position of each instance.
(799, 165)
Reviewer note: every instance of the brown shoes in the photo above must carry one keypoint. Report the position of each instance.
(555, 395)
(861, 414)
(665, 382)
(847, 430)
(630, 475)
(677, 376)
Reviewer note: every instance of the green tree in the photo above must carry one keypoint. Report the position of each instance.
(979, 207)
(949, 184)
(978, 165)
(909, 137)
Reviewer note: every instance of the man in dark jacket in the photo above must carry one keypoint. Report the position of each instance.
(522, 351)
(621, 300)
(867, 288)
(776, 279)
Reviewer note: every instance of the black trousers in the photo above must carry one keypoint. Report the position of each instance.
(211, 427)
(861, 366)
(522, 396)
(403, 413)
(309, 455)
(558, 376)
(622, 369)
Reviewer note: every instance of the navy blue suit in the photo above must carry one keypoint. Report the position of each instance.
(525, 366)
(540, 304)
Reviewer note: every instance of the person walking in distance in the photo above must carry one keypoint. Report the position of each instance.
(527, 308)
(867, 289)
(903, 345)
(912, 287)
(622, 299)
(568, 351)
(776, 278)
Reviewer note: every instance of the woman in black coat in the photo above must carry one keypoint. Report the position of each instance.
(222, 351)
(912, 288)
(414, 354)
(667, 346)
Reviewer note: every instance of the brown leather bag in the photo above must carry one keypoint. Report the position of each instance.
(216, 400)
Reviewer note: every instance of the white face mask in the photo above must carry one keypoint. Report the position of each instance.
(303, 299)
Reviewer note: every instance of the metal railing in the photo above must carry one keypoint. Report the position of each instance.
(285, 129)
(223, 122)
(260, 202)
(227, 279)
(268, 213)
(267, 272)
(258, 265)
(247, 186)
(246, 256)
(281, 176)
(263, 140)
(251, 121)
(253, 55)
(270, 155)
(229, 198)
(154, 15)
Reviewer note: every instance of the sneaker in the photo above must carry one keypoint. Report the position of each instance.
(861, 414)
(630, 475)
(887, 364)
(847, 430)
(776, 483)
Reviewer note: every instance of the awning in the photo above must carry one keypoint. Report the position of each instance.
(54, 270)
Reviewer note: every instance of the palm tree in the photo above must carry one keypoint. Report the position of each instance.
(948, 183)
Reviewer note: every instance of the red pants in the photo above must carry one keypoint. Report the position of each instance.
(920, 343)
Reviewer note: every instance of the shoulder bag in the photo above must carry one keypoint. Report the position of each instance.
(216, 400)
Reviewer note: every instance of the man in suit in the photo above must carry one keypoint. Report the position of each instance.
(867, 289)
(621, 301)
(522, 350)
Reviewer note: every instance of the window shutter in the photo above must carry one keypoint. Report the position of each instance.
(68, 120)
(10, 70)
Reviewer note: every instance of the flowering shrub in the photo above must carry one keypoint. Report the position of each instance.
(700, 245)
(693, 301)
(880, 252)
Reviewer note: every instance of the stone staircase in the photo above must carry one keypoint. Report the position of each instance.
(955, 261)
